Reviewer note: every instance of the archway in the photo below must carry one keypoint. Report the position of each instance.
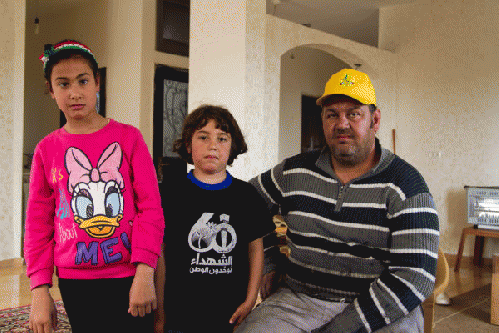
(283, 36)
(304, 73)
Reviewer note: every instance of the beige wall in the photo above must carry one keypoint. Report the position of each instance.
(227, 67)
(6, 124)
(304, 71)
(41, 113)
(11, 124)
(449, 100)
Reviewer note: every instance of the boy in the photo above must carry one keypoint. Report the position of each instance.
(214, 248)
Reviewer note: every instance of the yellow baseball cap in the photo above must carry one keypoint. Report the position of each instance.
(352, 83)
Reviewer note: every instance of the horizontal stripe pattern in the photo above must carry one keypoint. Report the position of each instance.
(374, 240)
(412, 211)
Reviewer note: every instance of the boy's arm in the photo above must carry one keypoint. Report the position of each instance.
(255, 253)
(159, 281)
(272, 259)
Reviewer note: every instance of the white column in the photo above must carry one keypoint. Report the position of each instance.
(227, 68)
(17, 117)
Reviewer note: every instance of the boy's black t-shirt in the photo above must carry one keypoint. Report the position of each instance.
(208, 229)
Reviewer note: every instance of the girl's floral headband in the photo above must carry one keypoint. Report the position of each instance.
(50, 50)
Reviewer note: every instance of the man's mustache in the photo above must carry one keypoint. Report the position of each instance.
(343, 133)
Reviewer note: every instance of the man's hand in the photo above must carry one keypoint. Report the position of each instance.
(43, 315)
(142, 293)
(269, 284)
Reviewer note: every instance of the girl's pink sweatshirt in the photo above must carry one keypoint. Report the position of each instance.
(94, 208)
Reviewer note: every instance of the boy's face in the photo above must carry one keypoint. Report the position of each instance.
(74, 89)
(210, 149)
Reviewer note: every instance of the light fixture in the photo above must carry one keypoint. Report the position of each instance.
(37, 25)
(37, 20)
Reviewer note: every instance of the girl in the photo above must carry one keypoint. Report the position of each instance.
(215, 251)
(94, 210)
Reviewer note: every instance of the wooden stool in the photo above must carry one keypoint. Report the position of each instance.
(480, 235)
(441, 282)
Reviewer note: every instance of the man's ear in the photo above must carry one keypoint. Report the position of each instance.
(376, 120)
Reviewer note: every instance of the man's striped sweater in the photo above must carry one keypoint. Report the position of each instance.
(372, 243)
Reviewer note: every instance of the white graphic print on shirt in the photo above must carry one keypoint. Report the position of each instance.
(212, 242)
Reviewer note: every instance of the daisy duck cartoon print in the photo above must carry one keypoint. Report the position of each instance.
(97, 199)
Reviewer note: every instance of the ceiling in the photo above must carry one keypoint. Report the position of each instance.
(351, 19)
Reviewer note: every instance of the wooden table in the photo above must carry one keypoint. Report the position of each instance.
(480, 235)
(494, 299)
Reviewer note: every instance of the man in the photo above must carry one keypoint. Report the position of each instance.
(362, 228)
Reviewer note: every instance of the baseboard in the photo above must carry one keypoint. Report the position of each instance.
(11, 263)
(466, 262)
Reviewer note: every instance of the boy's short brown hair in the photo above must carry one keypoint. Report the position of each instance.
(198, 119)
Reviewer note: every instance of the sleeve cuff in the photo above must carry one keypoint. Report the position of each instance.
(41, 277)
(145, 257)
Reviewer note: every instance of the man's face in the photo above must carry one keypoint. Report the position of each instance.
(349, 128)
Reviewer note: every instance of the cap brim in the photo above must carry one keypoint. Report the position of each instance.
(321, 99)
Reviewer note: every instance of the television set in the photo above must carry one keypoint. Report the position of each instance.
(483, 206)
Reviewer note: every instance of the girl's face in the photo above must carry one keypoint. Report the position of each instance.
(210, 149)
(74, 89)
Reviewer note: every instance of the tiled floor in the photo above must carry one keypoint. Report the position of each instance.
(468, 278)
(14, 285)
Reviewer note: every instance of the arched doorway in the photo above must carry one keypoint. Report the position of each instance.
(283, 39)
(304, 73)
